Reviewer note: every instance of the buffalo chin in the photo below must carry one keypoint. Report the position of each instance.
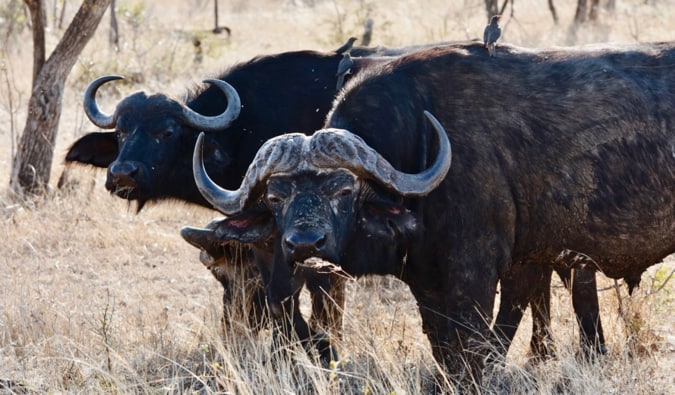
(131, 196)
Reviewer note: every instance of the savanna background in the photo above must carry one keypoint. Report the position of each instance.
(97, 299)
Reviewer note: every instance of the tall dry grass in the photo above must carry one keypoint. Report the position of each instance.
(97, 299)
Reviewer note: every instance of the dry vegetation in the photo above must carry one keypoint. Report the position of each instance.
(97, 299)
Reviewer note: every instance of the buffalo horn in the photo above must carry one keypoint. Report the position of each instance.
(280, 154)
(94, 113)
(330, 148)
(218, 122)
(351, 152)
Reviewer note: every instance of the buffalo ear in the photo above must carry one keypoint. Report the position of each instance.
(387, 220)
(250, 226)
(98, 149)
(203, 239)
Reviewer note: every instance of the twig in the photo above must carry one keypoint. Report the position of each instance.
(326, 267)
(664, 282)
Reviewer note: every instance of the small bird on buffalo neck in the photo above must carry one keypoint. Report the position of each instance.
(344, 68)
(491, 35)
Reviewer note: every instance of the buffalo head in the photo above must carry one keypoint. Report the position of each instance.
(311, 193)
(149, 132)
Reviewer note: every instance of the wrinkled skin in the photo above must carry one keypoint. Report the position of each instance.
(538, 179)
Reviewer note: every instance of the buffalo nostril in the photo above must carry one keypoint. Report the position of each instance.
(305, 244)
(290, 244)
(124, 173)
(320, 243)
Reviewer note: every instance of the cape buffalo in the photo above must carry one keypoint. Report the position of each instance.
(561, 158)
(148, 154)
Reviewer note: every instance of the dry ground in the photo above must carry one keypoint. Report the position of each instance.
(94, 298)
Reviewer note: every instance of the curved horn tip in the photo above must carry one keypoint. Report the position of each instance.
(195, 236)
(223, 200)
(431, 117)
(200, 143)
(430, 178)
(187, 231)
(198, 155)
(213, 81)
(106, 78)
(218, 122)
(91, 109)
(95, 84)
(112, 77)
(439, 127)
(223, 85)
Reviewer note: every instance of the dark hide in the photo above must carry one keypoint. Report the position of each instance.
(148, 155)
(559, 157)
(298, 91)
(562, 159)
(382, 229)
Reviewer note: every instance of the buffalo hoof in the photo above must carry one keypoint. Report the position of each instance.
(327, 353)
(591, 352)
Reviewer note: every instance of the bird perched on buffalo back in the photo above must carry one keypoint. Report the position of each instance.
(345, 65)
(344, 68)
(346, 47)
(491, 34)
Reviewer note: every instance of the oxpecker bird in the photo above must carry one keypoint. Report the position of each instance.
(346, 47)
(491, 35)
(344, 68)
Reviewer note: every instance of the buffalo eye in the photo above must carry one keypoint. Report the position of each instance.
(167, 133)
(344, 192)
(274, 199)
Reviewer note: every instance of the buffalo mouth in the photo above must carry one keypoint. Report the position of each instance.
(132, 194)
(124, 191)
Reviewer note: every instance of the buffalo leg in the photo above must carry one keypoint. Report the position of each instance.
(456, 321)
(328, 304)
(582, 284)
(523, 285)
(541, 342)
(233, 265)
(292, 323)
(282, 288)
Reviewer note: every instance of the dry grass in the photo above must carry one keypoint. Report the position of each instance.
(97, 299)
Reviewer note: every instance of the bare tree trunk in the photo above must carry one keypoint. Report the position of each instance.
(32, 164)
(503, 9)
(114, 37)
(215, 16)
(55, 9)
(367, 32)
(582, 14)
(38, 18)
(582, 11)
(595, 7)
(217, 29)
(63, 15)
(492, 8)
(554, 13)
